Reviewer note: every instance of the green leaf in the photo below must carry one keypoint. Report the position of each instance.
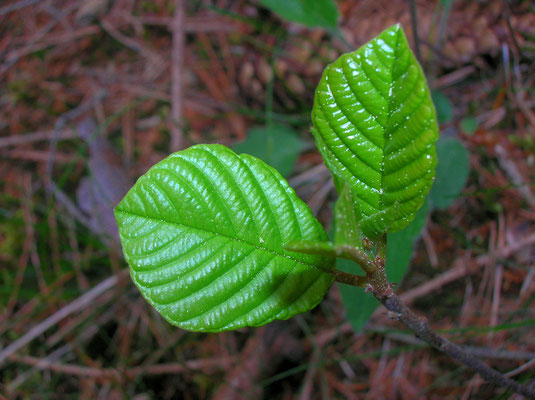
(360, 305)
(400, 246)
(346, 223)
(277, 145)
(323, 13)
(452, 173)
(375, 225)
(469, 125)
(375, 125)
(203, 232)
(443, 107)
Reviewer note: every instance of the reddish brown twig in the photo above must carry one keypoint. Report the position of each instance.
(422, 330)
(383, 291)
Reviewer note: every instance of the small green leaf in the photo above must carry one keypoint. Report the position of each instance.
(277, 145)
(469, 125)
(375, 125)
(360, 305)
(203, 232)
(443, 107)
(346, 214)
(323, 13)
(452, 173)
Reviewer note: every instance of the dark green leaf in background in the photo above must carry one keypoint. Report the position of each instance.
(203, 232)
(443, 107)
(452, 172)
(321, 13)
(278, 145)
(469, 125)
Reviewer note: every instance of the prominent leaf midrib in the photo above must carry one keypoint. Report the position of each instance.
(256, 246)
(214, 185)
(359, 100)
(343, 163)
(388, 115)
(422, 130)
(387, 131)
(344, 113)
(261, 191)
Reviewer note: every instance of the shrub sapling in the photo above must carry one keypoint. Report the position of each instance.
(217, 241)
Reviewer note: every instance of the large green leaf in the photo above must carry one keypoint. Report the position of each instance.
(375, 125)
(203, 232)
(278, 145)
(323, 13)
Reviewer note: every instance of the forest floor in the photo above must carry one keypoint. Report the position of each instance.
(128, 69)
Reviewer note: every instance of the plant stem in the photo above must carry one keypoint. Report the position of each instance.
(377, 281)
(380, 251)
(352, 253)
(422, 330)
(349, 279)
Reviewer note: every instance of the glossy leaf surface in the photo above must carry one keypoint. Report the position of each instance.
(203, 232)
(375, 125)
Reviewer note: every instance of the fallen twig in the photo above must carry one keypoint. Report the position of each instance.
(74, 306)
(462, 268)
(53, 40)
(153, 59)
(118, 374)
(16, 6)
(26, 138)
(60, 125)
